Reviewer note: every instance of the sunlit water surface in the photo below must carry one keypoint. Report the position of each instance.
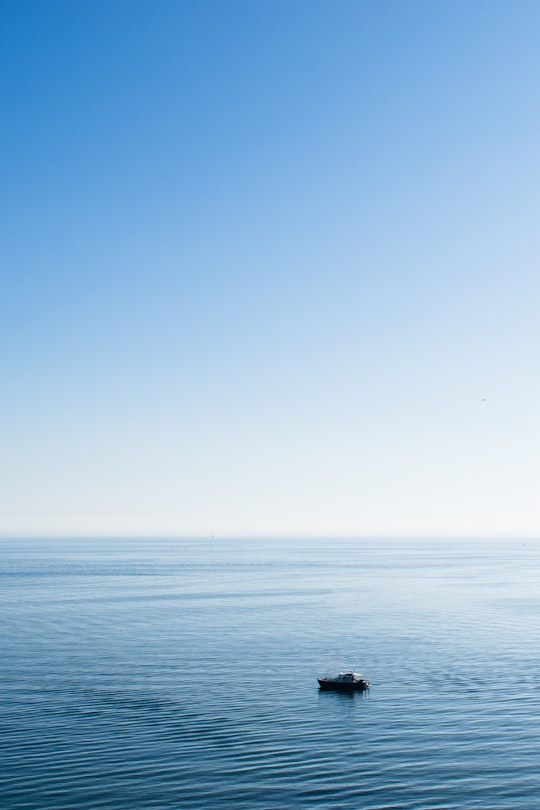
(153, 674)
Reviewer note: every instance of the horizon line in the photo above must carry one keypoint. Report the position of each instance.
(264, 536)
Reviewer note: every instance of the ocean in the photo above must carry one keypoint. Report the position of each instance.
(179, 674)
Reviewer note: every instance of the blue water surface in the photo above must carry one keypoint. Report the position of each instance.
(182, 674)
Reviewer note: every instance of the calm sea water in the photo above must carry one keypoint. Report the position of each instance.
(152, 674)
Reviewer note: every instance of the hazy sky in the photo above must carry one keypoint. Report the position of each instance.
(270, 266)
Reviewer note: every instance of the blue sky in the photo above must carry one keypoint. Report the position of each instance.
(270, 267)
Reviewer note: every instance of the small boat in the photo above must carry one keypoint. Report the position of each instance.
(344, 682)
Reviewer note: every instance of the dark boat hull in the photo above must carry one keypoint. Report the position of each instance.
(330, 685)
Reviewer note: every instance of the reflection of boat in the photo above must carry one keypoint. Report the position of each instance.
(345, 682)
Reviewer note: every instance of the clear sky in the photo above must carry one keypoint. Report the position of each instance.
(270, 267)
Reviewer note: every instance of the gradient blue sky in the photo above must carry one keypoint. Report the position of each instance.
(270, 267)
